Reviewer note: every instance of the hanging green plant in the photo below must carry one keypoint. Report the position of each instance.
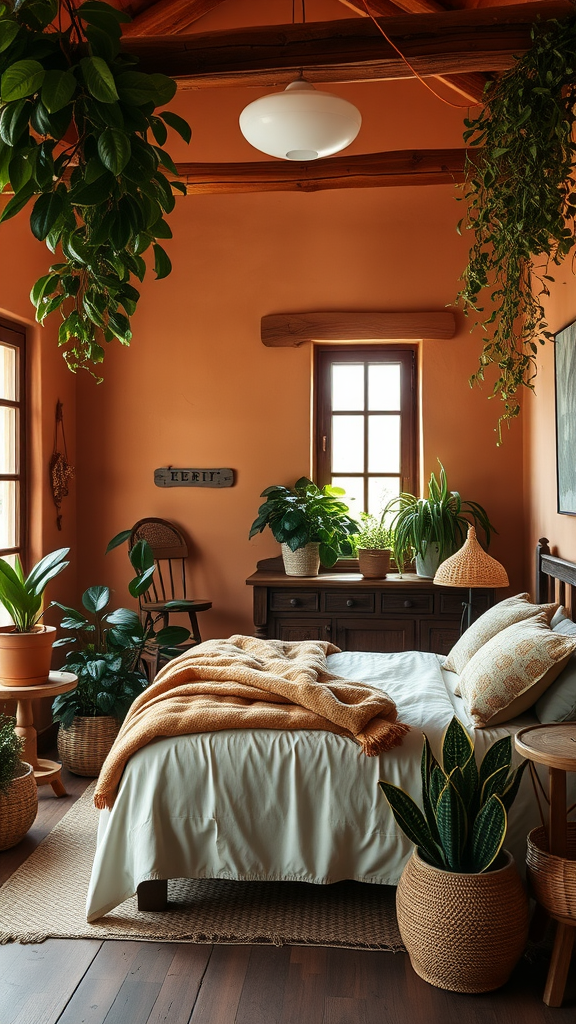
(521, 196)
(80, 139)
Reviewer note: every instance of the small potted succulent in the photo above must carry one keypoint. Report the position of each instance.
(433, 528)
(462, 910)
(373, 546)
(26, 646)
(106, 654)
(311, 523)
(18, 790)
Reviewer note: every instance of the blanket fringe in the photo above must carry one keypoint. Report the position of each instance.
(103, 801)
(379, 736)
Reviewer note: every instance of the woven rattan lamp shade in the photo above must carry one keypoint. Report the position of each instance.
(471, 567)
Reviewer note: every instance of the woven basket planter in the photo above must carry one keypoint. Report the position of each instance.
(18, 807)
(553, 879)
(83, 747)
(463, 932)
(302, 562)
(373, 563)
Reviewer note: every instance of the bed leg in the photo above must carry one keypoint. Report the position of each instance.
(153, 895)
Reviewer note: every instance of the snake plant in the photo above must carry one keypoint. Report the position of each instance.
(465, 806)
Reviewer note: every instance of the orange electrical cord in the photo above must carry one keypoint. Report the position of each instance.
(457, 106)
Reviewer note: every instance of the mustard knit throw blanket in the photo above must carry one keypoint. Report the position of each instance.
(246, 683)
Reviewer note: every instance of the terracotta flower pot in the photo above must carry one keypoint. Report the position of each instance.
(463, 932)
(373, 563)
(18, 807)
(302, 562)
(84, 747)
(25, 658)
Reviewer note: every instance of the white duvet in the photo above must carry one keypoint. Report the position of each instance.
(268, 805)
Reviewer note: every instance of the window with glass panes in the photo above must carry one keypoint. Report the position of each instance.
(366, 422)
(12, 447)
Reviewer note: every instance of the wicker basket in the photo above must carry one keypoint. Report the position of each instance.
(463, 932)
(373, 563)
(553, 879)
(18, 807)
(302, 562)
(83, 747)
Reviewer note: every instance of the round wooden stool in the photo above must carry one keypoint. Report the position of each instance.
(46, 773)
(554, 745)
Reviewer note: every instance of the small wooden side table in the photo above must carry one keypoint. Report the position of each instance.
(554, 745)
(46, 773)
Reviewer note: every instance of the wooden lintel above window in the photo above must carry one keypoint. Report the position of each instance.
(288, 330)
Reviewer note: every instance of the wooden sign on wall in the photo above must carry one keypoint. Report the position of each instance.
(169, 476)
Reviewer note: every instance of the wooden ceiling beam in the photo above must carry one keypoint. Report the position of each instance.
(451, 42)
(470, 87)
(371, 170)
(169, 16)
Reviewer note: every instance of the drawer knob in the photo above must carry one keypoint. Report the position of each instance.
(349, 603)
(407, 604)
(294, 602)
(327, 629)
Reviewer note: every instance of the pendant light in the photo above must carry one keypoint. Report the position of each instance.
(301, 123)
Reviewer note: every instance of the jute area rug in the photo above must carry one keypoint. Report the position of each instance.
(45, 898)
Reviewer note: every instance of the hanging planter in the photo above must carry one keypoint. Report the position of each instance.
(80, 139)
(521, 197)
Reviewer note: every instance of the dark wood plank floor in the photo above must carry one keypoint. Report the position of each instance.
(86, 981)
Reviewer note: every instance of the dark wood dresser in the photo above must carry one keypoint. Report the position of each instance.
(398, 613)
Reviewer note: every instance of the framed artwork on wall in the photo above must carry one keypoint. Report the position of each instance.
(565, 381)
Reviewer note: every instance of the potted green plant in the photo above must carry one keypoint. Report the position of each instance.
(107, 648)
(462, 910)
(82, 137)
(26, 646)
(373, 546)
(18, 790)
(433, 528)
(311, 523)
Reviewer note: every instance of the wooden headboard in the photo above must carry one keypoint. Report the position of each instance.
(555, 578)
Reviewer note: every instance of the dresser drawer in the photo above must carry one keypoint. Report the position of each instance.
(296, 600)
(408, 603)
(342, 601)
(451, 604)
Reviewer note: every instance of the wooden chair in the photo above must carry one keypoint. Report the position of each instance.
(168, 593)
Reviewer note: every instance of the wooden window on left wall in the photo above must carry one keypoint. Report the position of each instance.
(13, 533)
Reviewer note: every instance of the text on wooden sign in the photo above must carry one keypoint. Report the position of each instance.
(169, 476)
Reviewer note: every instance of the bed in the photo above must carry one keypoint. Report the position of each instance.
(299, 805)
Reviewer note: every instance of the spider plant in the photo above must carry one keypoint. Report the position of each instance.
(442, 518)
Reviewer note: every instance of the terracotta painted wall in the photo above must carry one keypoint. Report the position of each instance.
(542, 519)
(197, 388)
(22, 261)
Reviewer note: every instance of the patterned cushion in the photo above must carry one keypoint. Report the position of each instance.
(558, 704)
(503, 614)
(510, 672)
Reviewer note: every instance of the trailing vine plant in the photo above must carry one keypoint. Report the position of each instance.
(521, 195)
(80, 139)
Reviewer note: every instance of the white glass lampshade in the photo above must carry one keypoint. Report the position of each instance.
(301, 123)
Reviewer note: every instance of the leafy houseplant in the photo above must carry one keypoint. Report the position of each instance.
(521, 205)
(307, 514)
(373, 544)
(441, 519)
(18, 791)
(106, 655)
(80, 137)
(26, 647)
(474, 925)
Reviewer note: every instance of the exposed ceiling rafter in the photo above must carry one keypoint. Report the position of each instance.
(451, 42)
(169, 16)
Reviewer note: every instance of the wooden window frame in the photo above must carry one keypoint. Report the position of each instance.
(324, 356)
(14, 335)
